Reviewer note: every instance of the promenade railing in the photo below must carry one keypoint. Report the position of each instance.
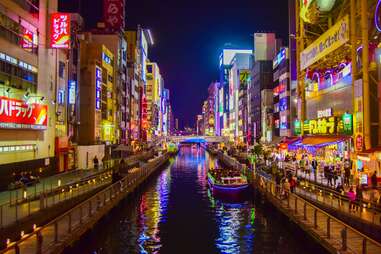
(62, 228)
(340, 235)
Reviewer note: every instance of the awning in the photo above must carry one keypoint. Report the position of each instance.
(319, 141)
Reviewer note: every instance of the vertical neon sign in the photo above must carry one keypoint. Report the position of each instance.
(98, 87)
(60, 30)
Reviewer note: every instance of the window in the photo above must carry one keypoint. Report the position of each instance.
(61, 69)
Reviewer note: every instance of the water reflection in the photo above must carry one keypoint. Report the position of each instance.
(176, 213)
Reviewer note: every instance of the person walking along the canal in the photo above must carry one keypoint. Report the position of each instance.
(373, 180)
(358, 197)
(96, 162)
(314, 165)
(286, 188)
(352, 198)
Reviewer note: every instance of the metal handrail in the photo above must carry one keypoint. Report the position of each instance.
(104, 170)
(130, 179)
(320, 211)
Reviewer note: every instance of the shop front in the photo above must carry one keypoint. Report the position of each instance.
(366, 163)
(327, 138)
(65, 154)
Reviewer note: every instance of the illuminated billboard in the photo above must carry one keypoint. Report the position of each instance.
(113, 12)
(228, 54)
(18, 114)
(60, 30)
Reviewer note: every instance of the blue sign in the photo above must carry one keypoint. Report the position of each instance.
(98, 87)
(72, 91)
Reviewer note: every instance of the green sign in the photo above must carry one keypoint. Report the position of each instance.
(326, 126)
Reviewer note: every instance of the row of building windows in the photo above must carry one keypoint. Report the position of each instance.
(17, 77)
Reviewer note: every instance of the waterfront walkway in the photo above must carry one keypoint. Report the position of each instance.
(67, 228)
(22, 203)
(333, 234)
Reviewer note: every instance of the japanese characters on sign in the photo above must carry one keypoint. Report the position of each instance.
(326, 126)
(328, 42)
(113, 14)
(60, 30)
(98, 87)
(17, 114)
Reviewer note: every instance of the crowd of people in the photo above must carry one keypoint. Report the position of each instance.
(335, 174)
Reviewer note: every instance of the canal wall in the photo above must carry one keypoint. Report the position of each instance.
(70, 226)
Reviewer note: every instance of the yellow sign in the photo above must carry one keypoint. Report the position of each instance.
(331, 40)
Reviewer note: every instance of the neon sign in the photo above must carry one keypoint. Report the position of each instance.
(72, 91)
(280, 57)
(326, 125)
(98, 87)
(17, 114)
(60, 30)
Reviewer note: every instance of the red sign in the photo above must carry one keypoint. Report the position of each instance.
(27, 39)
(17, 114)
(60, 30)
(359, 142)
(114, 14)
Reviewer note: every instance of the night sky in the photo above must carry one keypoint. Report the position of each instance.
(189, 35)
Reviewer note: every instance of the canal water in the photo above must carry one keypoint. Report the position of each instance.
(175, 213)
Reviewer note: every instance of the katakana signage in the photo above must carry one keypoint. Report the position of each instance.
(17, 114)
(60, 30)
(113, 14)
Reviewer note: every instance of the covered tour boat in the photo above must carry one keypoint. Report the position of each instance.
(227, 183)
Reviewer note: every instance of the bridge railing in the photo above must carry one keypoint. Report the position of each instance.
(340, 235)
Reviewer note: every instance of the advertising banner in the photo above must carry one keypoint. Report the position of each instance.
(60, 30)
(331, 40)
(113, 11)
(17, 114)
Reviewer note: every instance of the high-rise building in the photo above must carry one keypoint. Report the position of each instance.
(226, 56)
(117, 44)
(153, 95)
(98, 110)
(282, 98)
(239, 78)
(28, 89)
(260, 91)
(138, 41)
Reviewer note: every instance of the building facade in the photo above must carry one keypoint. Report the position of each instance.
(28, 89)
